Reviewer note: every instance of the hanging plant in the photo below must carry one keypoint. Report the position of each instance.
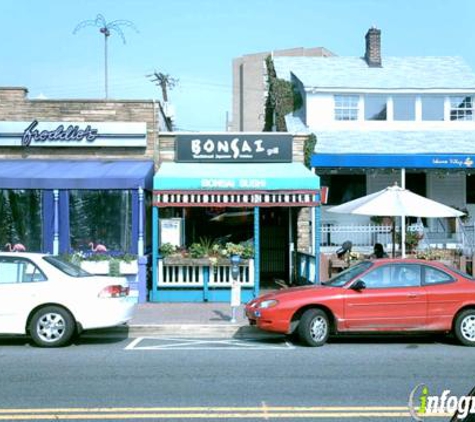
(283, 98)
(309, 149)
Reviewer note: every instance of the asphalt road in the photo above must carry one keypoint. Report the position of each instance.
(362, 379)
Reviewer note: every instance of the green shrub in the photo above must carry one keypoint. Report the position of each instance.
(114, 267)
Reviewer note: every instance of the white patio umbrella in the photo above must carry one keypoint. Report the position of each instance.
(395, 201)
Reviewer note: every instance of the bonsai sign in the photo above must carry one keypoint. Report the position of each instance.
(250, 148)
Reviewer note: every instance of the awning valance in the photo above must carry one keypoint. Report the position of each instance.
(394, 161)
(76, 174)
(262, 184)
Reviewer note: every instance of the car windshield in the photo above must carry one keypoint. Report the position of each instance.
(66, 267)
(345, 276)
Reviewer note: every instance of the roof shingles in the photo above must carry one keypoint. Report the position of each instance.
(395, 142)
(426, 72)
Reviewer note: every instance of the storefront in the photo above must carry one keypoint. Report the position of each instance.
(443, 177)
(224, 195)
(76, 179)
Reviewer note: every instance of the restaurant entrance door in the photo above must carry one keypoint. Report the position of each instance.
(274, 246)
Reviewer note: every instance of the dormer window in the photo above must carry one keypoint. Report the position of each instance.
(375, 107)
(404, 107)
(432, 107)
(461, 108)
(346, 107)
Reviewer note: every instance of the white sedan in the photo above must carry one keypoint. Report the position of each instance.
(52, 300)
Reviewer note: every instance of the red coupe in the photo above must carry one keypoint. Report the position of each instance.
(384, 295)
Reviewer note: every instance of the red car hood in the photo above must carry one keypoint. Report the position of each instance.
(296, 292)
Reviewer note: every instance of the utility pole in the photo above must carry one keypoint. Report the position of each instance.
(164, 82)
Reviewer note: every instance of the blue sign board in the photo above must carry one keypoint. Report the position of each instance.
(394, 161)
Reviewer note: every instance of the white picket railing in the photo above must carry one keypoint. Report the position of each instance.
(180, 275)
(219, 275)
(366, 235)
(359, 235)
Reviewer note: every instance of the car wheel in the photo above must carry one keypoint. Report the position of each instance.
(52, 326)
(464, 328)
(314, 328)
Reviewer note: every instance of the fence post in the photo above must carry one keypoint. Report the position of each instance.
(205, 283)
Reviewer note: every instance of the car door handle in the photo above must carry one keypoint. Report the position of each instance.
(413, 295)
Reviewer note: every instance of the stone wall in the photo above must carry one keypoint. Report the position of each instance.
(16, 106)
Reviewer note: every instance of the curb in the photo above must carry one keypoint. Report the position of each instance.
(230, 331)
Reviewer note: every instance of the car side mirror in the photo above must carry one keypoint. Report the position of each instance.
(358, 285)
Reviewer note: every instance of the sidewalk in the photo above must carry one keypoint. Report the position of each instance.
(201, 319)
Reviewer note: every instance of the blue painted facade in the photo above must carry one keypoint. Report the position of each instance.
(215, 179)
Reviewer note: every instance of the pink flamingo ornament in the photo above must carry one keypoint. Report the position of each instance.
(97, 248)
(17, 247)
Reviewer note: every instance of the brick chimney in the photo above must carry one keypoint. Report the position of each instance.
(373, 47)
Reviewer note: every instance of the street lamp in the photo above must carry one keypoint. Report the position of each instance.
(105, 28)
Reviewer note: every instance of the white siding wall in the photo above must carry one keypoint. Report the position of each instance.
(319, 109)
(448, 189)
(379, 181)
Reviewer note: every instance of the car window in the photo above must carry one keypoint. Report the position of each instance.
(19, 270)
(379, 277)
(435, 276)
(393, 275)
(459, 272)
(66, 267)
(348, 274)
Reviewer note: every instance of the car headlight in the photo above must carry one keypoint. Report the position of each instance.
(268, 303)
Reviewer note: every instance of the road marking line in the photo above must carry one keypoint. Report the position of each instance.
(264, 409)
(257, 415)
(133, 343)
(193, 344)
(206, 409)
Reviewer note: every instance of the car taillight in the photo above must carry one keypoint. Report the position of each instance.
(114, 291)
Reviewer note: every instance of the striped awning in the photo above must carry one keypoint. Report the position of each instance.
(235, 185)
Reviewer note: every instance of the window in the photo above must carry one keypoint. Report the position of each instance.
(461, 108)
(21, 218)
(417, 183)
(375, 107)
(404, 107)
(432, 108)
(101, 217)
(346, 107)
(15, 270)
(388, 276)
(66, 267)
(343, 188)
(434, 276)
(345, 276)
(470, 188)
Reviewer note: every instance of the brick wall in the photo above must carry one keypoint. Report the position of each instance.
(16, 106)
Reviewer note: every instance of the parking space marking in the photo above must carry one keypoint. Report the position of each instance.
(172, 343)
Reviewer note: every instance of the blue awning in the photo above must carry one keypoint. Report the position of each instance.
(76, 174)
(395, 161)
(230, 177)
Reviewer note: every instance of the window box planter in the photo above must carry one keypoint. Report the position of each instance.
(102, 267)
(129, 267)
(96, 267)
(203, 262)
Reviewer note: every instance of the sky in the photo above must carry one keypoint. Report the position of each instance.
(195, 42)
